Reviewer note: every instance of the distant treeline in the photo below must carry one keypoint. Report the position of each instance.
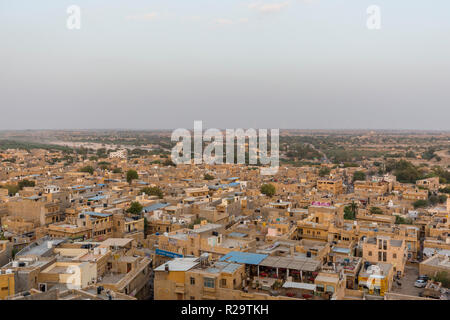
(24, 145)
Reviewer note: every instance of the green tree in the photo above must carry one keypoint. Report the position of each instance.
(102, 153)
(153, 191)
(348, 213)
(132, 175)
(268, 189)
(359, 176)
(168, 162)
(410, 154)
(401, 220)
(104, 165)
(145, 227)
(208, 177)
(433, 200)
(135, 208)
(442, 198)
(87, 169)
(404, 170)
(14, 252)
(117, 170)
(375, 210)
(196, 221)
(354, 207)
(420, 204)
(325, 171)
(26, 183)
(445, 190)
(443, 278)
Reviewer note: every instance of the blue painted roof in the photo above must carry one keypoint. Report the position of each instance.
(98, 214)
(34, 197)
(237, 234)
(341, 250)
(244, 257)
(96, 198)
(223, 186)
(155, 206)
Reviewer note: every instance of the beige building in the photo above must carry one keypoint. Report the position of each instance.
(386, 250)
(333, 186)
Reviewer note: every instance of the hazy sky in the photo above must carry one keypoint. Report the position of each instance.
(271, 64)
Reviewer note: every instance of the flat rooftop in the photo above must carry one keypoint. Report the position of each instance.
(179, 264)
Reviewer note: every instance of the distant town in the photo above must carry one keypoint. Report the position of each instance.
(107, 215)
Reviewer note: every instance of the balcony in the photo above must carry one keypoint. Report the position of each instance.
(179, 288)
(207, 290)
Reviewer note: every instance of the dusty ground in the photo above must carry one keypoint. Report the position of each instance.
(407, 287)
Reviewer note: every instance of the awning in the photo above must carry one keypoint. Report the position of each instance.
(299, 285)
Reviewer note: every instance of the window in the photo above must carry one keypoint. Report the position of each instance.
(192, 281)
(379, 255)
(384, 256)
(370, 253)
(224, 282)
(379, 244)
(320, 288)
(208, 282)
(192, 298)
(394, 256)
(384, 244)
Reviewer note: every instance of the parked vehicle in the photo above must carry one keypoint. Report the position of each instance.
(423, 277)
(420, 283)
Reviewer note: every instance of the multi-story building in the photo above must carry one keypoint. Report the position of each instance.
(334, 186)
(386, 250)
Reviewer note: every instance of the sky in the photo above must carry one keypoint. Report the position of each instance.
(161, 64)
